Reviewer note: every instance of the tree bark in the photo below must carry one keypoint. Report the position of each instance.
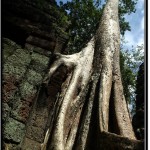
(91, 102)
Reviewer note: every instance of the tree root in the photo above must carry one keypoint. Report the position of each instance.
(80, 66)
(95, 69)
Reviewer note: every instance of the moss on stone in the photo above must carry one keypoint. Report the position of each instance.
(21, 57)
(8, 48)
(20, 108)
(9, 95)
(40, 58)
(33, 77)
(14, 130)
(16, 102)
(27, 90)
(39, 50)
(5, 111)
(17, 71)
(39, 63)
(10, 42)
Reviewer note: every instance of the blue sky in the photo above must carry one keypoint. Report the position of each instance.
(136, 35)
(136, 20)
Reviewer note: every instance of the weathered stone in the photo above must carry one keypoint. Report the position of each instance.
(21, 108)
(27, 90)
(48, 45)
(8, 48)
(35, 133)
(21, 57)
(33, 77)
(39, 118)
(31, 145)
(27, 67)
(16, 71)
(15, 105)
(10, 43)
(39, 63)
(38, 50)
(38, 115)
(9, 90)
(15, 110)
(5, 111)
(40, 58)
(32, 13)
(116, 142)
(9, 146)
(40, 121)
(13, 130)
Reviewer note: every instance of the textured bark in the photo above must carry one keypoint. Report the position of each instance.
(91, 101)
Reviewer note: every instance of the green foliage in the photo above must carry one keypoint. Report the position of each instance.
(125, 7)
(130, 60)
(84, 16)
(63, 19)
(128, 77)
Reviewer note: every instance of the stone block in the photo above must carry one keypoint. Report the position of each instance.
(8, 48)
(39, 119)
(9, 90)
(16, 71)
(29, 144)
(21, 57)
(13, 130)
(5, 111)
(40, 42)
(33, 77)
(35, 133)
(21, 108)
(27, 90)
(38, 50)
(39, 63)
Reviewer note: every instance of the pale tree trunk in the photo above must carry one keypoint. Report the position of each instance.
(91, 109)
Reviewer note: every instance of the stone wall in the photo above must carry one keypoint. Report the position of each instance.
(31, 34)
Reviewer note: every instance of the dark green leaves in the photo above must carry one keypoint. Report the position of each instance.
(84, 16)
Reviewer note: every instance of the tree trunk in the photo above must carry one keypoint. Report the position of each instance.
(90, 111)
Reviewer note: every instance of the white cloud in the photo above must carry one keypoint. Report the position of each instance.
(133, 39)
(130, 39)
(140, 41)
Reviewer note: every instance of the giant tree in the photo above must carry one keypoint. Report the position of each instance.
(90, 111)
(84, 16)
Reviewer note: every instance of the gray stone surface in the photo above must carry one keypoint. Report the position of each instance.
(5, 111)
(39, 63)
(33, 77)
(21, 57)
(16, 71)
(27, 90)
(14, 130)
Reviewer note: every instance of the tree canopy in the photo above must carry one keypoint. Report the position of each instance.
(85, 15)
(130, 60)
